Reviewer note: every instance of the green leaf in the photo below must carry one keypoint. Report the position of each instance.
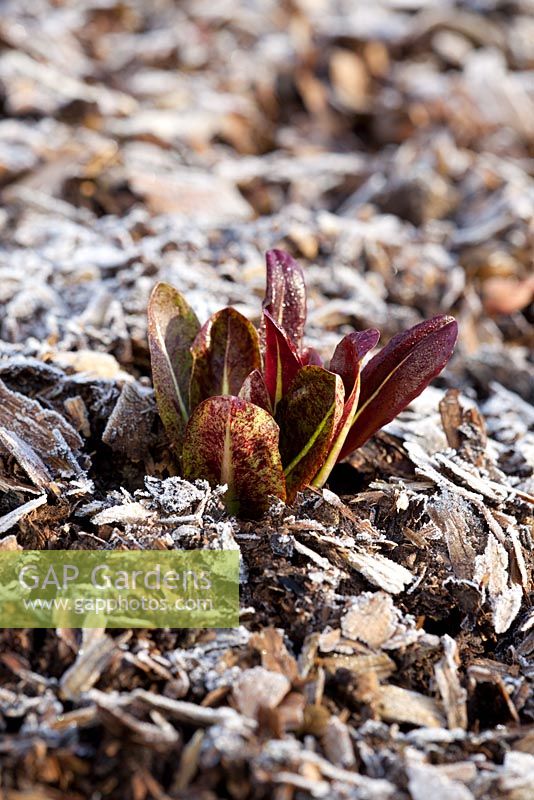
(308, 416)
(229, 440)
(226, 350)
(172, 328)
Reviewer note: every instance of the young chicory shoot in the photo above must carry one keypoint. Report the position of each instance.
(261, 413)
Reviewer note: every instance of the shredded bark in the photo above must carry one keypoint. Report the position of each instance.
(386, 644)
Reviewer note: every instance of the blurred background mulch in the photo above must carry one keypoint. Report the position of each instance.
(387, 639)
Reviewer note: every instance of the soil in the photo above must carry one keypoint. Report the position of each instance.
(386, 639)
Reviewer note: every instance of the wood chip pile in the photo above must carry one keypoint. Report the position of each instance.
(386, 643)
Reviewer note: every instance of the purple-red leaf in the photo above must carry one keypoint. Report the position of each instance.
(346, 362)
(172, 327)
(349, 353)
(398, 374)
(281, 360)
(230, 441)
(311, 358)
(308, 416)
(285, 295)
(226, 350)
(255, 391)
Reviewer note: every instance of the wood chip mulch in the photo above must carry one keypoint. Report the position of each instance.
(386, 643)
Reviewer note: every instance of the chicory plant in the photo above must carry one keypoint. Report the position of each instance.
(256, 410)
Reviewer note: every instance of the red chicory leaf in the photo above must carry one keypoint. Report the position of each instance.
(230, 441)
(226, 350)
(311, 358)
(346, 362)
(255, 391)
(348, 355)
(285, 295)
(172, 328)
(308, 416)
(281, 360)
(398, 374)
